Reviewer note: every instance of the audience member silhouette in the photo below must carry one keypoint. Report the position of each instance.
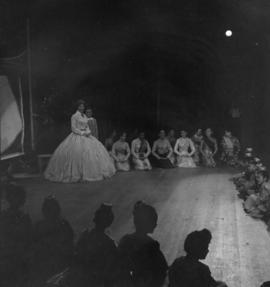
(53, 242)
(188, 271)
(266, 284)
(15, 239)
(96, 253)
(143, 263)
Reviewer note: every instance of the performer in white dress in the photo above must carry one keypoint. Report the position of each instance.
(121, 153)
(185, 149)
(80, 157)
(140, 150)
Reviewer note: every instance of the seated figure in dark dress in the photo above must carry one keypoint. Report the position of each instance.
(162, 152)
(96, 253)
(188, 271)
(53, 243)
(143, 263)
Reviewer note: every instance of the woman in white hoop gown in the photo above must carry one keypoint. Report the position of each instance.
(80, 157)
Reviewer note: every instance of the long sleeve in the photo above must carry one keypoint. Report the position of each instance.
(148, 149)
(192, 147)
(96, 129)
(154, 149)
(170, 149)
(128, 151)
(176, 147)
(113, 153)
(74, 128)
(133, 149)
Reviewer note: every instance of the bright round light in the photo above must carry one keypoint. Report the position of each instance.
(228, 33)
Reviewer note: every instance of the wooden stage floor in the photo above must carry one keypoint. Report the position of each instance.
(185, 200)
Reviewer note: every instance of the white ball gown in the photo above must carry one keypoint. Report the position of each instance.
(79, 157)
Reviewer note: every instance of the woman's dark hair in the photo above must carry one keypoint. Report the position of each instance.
(80, 102)
(122, 133)
(104, 215)
(197, 242)
(15, 194)
(144, 214)
(51, 207)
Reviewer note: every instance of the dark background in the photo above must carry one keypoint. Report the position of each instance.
(145, 64)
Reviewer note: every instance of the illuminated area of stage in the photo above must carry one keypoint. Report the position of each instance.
(185, 200)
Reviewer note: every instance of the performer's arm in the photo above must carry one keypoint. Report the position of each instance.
(96, 126)
(133, 146)
(128, 151)
(148, 150)
(201, 148)
(74, 128)
(176, 147)
(192, 147)
(216, 148)
(113, 153)
(154, 150)
(170, 150)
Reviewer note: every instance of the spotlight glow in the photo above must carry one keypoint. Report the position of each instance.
(228, 33)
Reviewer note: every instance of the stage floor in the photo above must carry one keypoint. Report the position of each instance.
(185, 200)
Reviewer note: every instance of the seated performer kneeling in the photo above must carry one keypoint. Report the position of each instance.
(163, 152)
(257, 204)
(121, 153)
(184, 148)
(141, 150)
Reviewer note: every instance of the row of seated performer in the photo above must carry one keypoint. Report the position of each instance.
(168, 151)
(45, 254)
(254, 188)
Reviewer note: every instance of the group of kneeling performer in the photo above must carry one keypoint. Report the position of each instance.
(168, 151)
(253, 187)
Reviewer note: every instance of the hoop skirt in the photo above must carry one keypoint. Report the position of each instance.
(79, 158)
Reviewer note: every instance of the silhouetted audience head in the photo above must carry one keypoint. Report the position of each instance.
(15, 196)
(197, 242)
(266, 284)
(103, 216)
(51, 208)
(145, 217)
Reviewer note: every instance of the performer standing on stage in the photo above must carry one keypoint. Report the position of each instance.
(209, 148)
(140, 150)
(80, 157)
(92, 123)
(184, 148)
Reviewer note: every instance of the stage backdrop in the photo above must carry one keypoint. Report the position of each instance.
(11, 119)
